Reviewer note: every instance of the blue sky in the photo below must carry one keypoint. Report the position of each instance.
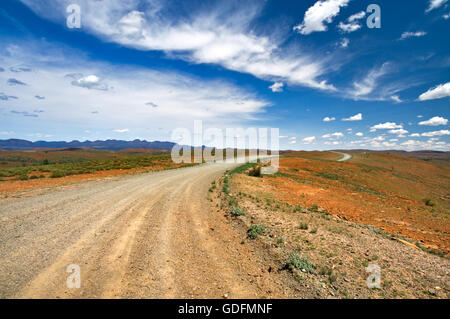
(313, 69)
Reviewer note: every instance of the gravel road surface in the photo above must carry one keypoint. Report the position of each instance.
(151, 235)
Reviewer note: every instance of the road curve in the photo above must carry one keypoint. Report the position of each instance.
(151, 235)
(345, 156)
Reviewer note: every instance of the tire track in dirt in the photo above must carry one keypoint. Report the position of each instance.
(150, 235)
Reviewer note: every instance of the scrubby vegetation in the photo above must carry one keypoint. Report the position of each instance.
(256, 230)
(23, 166)
(310, 231)
(294, 261)
(236, 211)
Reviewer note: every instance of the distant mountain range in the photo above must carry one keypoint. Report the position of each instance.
(17, 144)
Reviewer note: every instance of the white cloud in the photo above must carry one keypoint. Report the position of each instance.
(320, 13)
(349, 27)
(410, 143)
(415, 135)
(91, 82)
(357, 117)
(309, 140)
(277, 87)
(220, 35)
(336, 134)
(359, 134)
(396, 99)
(436, 133)
(439, 92)
(132, 24)
(328, 119)
(435, 121)
(386, 126)
(356, 16)
(419, 116)
(361, 89)
(352, 22)
(332, 143)
(292, 141)
(378, 139)
(181, 99)
(124, 130)
(434, 4)
(387, 144)
(430, 144)
(417, 34)
(400, 132)
(345, 42)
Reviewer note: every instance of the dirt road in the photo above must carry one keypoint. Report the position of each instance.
(345, 156)
(152, 235)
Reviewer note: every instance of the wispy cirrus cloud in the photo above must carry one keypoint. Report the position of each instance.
(218, 35)
(124, 130)
(416, 34)
(151, 104)
(19, 69)
(379, 84)
(364, 87)
(14, 82)
(396, 99)
(5, 97)
(24, 113)
(434, 4)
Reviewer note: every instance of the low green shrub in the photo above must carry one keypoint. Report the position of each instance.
(428, 202)
(58, 174)
(255, 230)
(303, 226)
(294, 261)
(236, 211)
